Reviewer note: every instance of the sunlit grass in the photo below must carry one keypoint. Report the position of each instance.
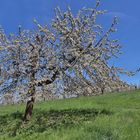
(108, 117)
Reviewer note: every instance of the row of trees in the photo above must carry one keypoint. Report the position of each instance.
(67, 58)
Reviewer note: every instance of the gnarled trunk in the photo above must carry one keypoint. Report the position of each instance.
(30, 103)
(29, 109)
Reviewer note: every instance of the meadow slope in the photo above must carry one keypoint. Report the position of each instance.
(107, 117)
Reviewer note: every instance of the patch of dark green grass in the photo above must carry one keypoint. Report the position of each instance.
(52, 119)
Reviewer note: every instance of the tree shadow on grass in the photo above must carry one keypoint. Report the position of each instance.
(46, 120)
(4, 119)
(55, 119)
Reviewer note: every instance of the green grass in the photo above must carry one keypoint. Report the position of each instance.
(107, 117)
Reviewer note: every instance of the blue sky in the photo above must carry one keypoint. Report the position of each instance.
(22, 12)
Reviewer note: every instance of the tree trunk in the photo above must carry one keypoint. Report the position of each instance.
(29, 109)
(31, 91)
(102, 90)
(30, 102)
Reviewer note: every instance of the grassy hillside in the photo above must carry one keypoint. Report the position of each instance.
(107, 117)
